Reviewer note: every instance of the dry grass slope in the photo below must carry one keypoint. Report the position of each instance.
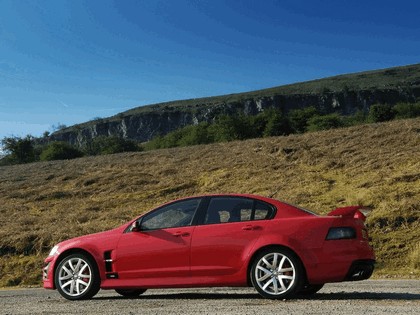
(376, 165)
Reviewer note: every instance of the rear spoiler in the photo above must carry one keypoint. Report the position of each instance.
(356, 212)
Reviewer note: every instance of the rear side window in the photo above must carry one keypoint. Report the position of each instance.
(263, 211)
(231, 209)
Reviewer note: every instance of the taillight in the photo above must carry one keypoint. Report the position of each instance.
(359, 215)
(341, 233)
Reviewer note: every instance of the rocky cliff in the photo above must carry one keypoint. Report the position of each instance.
(344, 94)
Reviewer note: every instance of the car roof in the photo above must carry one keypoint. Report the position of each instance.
(252, 196)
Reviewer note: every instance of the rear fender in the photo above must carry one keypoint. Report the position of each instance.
(305, 254)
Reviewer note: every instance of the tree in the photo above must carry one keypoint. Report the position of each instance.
(197, 134)
(224, 129)
(299, 118)
(277, 124)
(21, 150)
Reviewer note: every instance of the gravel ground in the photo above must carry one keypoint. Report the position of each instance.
(365, 297)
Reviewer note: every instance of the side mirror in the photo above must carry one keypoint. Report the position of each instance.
(135, 226)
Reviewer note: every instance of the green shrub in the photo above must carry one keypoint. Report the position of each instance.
(407, 110)
(380, 113)
(229, 128)
(59, 151)
(196, 134)
(325, 122)
(110, 145)
(360, 117)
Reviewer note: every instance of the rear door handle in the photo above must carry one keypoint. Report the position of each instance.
(248, 227)
(179, 233)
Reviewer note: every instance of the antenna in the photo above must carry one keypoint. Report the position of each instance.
(274, 193)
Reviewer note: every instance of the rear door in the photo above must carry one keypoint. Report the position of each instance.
(224, 239)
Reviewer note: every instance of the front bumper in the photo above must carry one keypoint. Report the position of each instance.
(48, 274)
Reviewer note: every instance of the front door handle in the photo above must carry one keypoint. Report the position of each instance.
(248, 227)
(179, 233)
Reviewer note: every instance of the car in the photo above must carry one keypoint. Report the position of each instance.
(224, 240)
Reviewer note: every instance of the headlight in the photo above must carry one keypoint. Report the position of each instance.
(54, 251)
(340, 233)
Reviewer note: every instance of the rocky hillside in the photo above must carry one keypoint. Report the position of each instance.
(344, 94)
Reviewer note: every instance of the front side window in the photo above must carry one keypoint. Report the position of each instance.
(176, 214)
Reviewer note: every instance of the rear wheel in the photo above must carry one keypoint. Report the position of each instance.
(131, 293)
(276, 273)
(77, 277)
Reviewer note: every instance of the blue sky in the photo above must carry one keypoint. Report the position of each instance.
(67, 62)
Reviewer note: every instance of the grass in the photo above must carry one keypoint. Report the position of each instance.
(375, 165)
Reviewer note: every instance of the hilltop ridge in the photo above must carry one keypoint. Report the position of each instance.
(344, 94)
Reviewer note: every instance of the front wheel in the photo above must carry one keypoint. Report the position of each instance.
(276, 273)
(77, 278)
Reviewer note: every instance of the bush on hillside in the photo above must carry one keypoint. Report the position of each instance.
(230, 128)
(325, 122)
(360, 117)
(380, 113)
(110, 145)
(197, 134)
(58, 150)
(407, 110)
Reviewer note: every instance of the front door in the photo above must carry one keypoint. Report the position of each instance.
(153, 254)
(161, 248)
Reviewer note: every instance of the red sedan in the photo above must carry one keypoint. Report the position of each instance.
(215, 241)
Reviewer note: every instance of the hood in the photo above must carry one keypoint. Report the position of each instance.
(101, 240)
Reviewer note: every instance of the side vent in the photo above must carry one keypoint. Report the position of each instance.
(109, 267)
(108, 261)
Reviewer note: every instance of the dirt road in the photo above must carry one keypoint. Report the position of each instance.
(365, 297)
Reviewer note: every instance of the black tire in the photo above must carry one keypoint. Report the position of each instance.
(310, 289)
(130, 293)
(77, 277)
(277, 273)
